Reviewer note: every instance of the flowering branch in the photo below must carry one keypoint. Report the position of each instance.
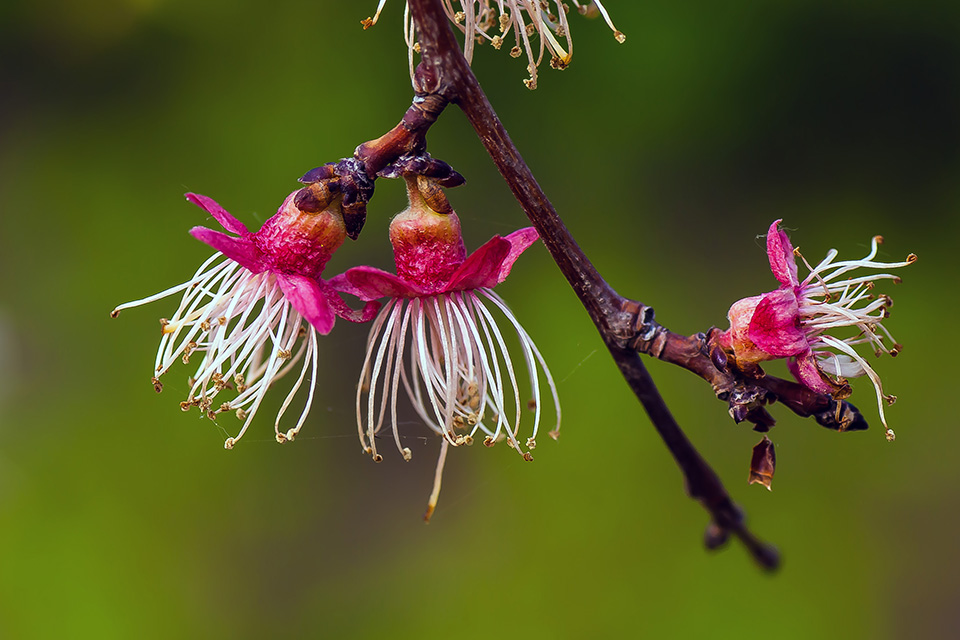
(254, 310)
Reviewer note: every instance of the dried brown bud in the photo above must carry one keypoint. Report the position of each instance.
(763, 463)
(314, 198)
(433, 195)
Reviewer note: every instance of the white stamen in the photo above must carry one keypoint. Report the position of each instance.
(827, 303)
(874, 378)
(241, 327)
(456, 376)
(437, 479)
(492, 20)
(376, 16)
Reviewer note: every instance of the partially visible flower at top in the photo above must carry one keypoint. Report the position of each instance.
(460, 376)
(794, 321)
(247, 311)
(493, 21)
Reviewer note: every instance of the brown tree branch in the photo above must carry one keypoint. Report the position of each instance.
(447, 73)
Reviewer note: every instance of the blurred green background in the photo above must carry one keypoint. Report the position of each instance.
(120, 516)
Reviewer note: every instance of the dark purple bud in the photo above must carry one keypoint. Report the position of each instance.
(739, 413)
(444, 173)
(719, 358)
(355, 185)
(761, 419)
(392, 171)
(354, 216)
(763, 463)
(307, 201)
(841, 416)
(423, 165)
(324, 172)
(452, 180)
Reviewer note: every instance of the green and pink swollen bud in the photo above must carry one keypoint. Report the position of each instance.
(251, 313)
(798, 320)
(427, 245)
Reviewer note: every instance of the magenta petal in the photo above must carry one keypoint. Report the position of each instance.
(307, 297)
(370, 283)
(780, 254)
(482, 267)
(345, 311)
(239, 250)
(341, 284)
(520, 241)
(805, 369)
(490, 265)
(222, 216)
(775, 325)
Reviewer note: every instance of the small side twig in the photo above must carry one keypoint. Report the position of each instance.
(745, 395)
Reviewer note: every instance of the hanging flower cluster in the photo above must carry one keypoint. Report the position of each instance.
(536, 27)
(817, 322)
(252, 312)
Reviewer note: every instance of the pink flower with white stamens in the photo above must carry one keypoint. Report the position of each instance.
(798, 319)
(438, 337)
(247, 312)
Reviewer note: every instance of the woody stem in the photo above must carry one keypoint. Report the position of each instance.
(450, 76)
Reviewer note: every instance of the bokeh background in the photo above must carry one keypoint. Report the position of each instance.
(121, 516)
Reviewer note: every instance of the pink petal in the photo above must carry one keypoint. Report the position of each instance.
(240, 250)
(520, 241)
(345, 311)
(369, 283)
(775, 325)
(482, 267)
(805, 369)
(780, 253)
(222, 216)
(341, 284)
(307, 297)
(490, 265)
(735, 338)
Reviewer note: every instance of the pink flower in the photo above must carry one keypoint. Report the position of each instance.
(793, 321)
(438, 337)
(248, 309)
